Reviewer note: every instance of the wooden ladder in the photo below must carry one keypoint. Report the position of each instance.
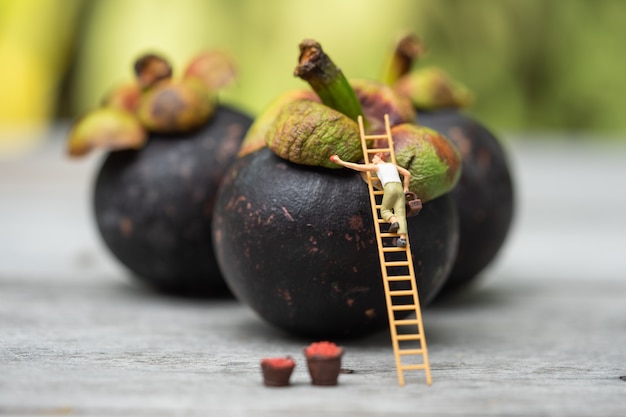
(396, 264)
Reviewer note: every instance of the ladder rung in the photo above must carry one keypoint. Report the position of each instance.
(394, 249)
(399, 278)
(400, 293)
(409, 337)
(406, 322)
(414, 367)
(378, 192)
(404, 307)
(410, 351)
(376, 150)
(397, 263)
(374, 136)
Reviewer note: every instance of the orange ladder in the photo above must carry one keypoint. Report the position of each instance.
(396, 264)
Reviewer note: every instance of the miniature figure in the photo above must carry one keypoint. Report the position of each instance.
(393, 206)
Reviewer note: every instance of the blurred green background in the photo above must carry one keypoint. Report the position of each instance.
(534, 65)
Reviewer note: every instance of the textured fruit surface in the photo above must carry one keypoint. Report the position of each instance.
(154, 207)
(297, 244)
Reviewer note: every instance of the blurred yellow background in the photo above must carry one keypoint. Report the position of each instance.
(534, 65)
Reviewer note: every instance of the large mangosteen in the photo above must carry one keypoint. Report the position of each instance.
(297, 244)
(154, 197)
(485, 194)
(294, 234)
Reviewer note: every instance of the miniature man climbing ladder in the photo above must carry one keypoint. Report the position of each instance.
(392, 208)
(396, 261)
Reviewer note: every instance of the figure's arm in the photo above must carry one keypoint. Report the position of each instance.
(351, 165)
(406, 176)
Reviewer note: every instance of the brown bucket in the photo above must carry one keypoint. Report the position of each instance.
(413, 204)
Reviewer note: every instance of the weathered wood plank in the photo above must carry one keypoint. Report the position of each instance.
(544, 333)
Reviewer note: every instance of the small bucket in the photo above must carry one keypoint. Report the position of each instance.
(324, 370)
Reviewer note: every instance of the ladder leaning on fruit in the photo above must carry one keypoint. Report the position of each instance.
(407, 334)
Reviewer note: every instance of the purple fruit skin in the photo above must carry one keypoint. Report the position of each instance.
(153, 207)
(484, 196)
(297, 245)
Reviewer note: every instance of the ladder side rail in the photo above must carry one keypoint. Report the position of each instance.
(372, 194)
(418, 316)
(392, 152)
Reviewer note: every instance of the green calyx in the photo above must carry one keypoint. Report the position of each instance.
(255, 138)
(154, 102)
(308, 130)
(308, 133)
(107, 127)
(434, 162)
(432, 89)
(307, 127)
(380, 99)
(428, 88)
(176, 106)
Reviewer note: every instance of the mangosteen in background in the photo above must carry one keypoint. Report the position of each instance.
(294, 232)
(169, 143)
(485, 193)
(154, 206)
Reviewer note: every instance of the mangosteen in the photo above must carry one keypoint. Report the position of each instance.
(297, 244)
(484, 194)
(294, 232)
(154, 206)
(169, 143)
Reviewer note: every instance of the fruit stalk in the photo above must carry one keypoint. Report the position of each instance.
(327, 80)
(151, 69)
(408, 49)
(428, 88)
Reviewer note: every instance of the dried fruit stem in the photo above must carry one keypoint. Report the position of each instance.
(408, 49)
(327, 80)
(150, 69)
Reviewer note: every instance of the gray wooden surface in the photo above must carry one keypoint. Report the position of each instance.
(543, 333)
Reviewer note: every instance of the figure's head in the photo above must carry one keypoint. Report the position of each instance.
(379, 157)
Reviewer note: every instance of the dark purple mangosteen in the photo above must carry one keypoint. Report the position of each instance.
(154, 206)
(297, 244)
(169, 143)
(484, 195)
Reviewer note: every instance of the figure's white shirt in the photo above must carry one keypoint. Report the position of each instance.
(388, 173)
